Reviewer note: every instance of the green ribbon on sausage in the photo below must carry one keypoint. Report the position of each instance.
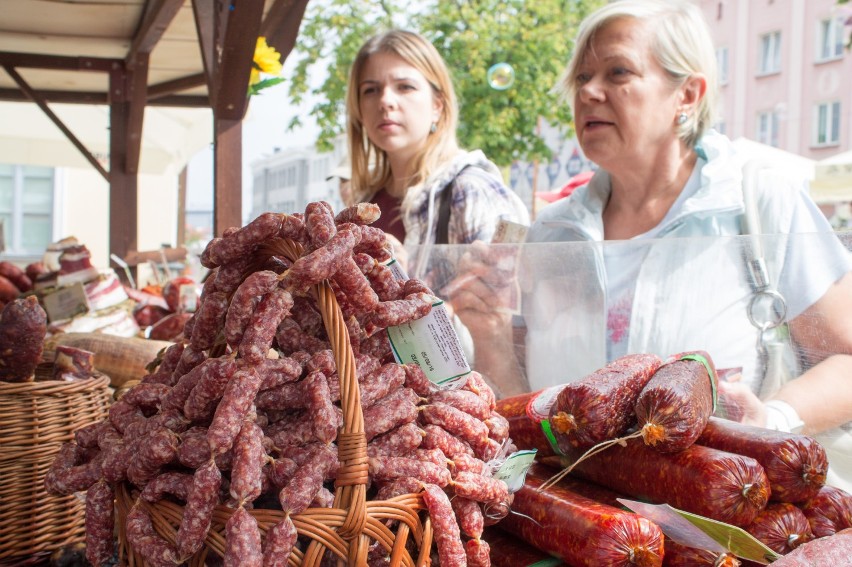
(710, 372)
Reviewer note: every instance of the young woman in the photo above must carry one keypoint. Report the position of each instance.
(402, 115)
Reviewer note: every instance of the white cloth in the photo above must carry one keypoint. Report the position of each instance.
(691, 291)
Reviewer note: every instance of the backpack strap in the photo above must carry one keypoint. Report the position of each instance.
(442, 228)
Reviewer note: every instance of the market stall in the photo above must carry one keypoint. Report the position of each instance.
(320, 407)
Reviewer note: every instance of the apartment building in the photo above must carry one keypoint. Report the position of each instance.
(785, 76)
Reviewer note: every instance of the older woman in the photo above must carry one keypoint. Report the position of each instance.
(403, 114)
(642, 81)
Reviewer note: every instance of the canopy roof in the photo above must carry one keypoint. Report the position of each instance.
(129, 54)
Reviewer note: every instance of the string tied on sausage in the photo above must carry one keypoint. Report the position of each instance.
(602, 446)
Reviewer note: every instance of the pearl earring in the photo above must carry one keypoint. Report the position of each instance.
(681, 118)
(433, 128)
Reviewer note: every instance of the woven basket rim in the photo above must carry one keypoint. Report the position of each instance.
(54, 387)
(352, 514)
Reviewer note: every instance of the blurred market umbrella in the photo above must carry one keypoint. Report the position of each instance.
(170, 137)
(833, 180)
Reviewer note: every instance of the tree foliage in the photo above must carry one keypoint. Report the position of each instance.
(534, 36)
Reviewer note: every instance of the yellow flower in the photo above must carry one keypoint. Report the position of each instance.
(266, 59)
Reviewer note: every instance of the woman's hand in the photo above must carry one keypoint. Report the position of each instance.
(741, 401)
(481, 296)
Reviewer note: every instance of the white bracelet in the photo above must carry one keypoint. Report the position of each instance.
(782, 417)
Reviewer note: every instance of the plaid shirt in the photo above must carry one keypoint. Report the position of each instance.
(480, 199)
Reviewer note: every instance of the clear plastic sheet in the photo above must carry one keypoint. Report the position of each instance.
(690, 294)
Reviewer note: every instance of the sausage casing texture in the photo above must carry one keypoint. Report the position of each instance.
(23, 324)
(674, 406)
(446, 529)
(507, 550)
(795, 465)
(580, 530)
(100, 522)
(829, 511)
(722, 486)
(280, 540)
(198, 512)
(147, 542)
(678, 555)
(832, 550)
(600, 406)
(782, 527)
(242, 540)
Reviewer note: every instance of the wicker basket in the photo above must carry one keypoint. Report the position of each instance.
(36, 418)
(353, 523)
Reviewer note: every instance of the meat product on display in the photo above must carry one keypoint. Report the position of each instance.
(795, 465)
(674, 406)
(581, 531)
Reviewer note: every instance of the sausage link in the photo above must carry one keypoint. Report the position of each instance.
(322, 263)
(417, 380)
(212, 378)
(600, 405)
(478, 553)
(146, 541)
(398, 487)
(208, 321)
(389, 468)
(828, 512)
(782, 527)
(462, 425)
(244, 302)
(176, 484)
(678, 555)
(198, 512)
(480, 488)
(396, 442)
(380, 383)
(320, 407)
(100, 522)
(398, 312)
(243, 241)
(796, 465)
(280, 540)
(278, 371)
(257, 340)
(446, 530)
(463, 400)
(359, 213)
(242, 540)
(469, 516)
(291, 338)
(674, 406)
(233, 409)
(247, 464)
(389, 413)
(720, 485)
(307, 481)
(439, 438)
(72, 470)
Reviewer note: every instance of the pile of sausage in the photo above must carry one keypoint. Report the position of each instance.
(246, 412)
(767, 482)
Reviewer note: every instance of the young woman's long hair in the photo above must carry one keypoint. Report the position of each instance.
(370, 166)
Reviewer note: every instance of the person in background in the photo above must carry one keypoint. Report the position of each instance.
(642, 82)
(402, 117)
(343, 173)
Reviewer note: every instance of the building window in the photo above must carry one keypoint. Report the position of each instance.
(722, 64)
(827, 124)
(770, 53)
(26, 208)
(830, 38)
(767, 128)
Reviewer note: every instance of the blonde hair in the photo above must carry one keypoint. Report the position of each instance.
(682, 44)
(370, 165)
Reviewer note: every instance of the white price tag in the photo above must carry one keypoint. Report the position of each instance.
(66, 302)
(431, 342)
(514, 471)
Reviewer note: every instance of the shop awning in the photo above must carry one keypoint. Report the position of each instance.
(833, 180)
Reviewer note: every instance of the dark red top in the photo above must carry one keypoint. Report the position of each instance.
(391, 219)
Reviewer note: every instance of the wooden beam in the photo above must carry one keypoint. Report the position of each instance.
(232, 76)
(123, 185)
(227, 174)
(36, 98)
(175, 86)
(58, 62)
(154, 25)
(135, 258)
(75, 97)
(205, 27)
(282, 23)
(181, 207)
(137, 86)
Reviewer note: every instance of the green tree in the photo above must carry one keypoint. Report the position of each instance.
(846, 13)
(533, 36)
